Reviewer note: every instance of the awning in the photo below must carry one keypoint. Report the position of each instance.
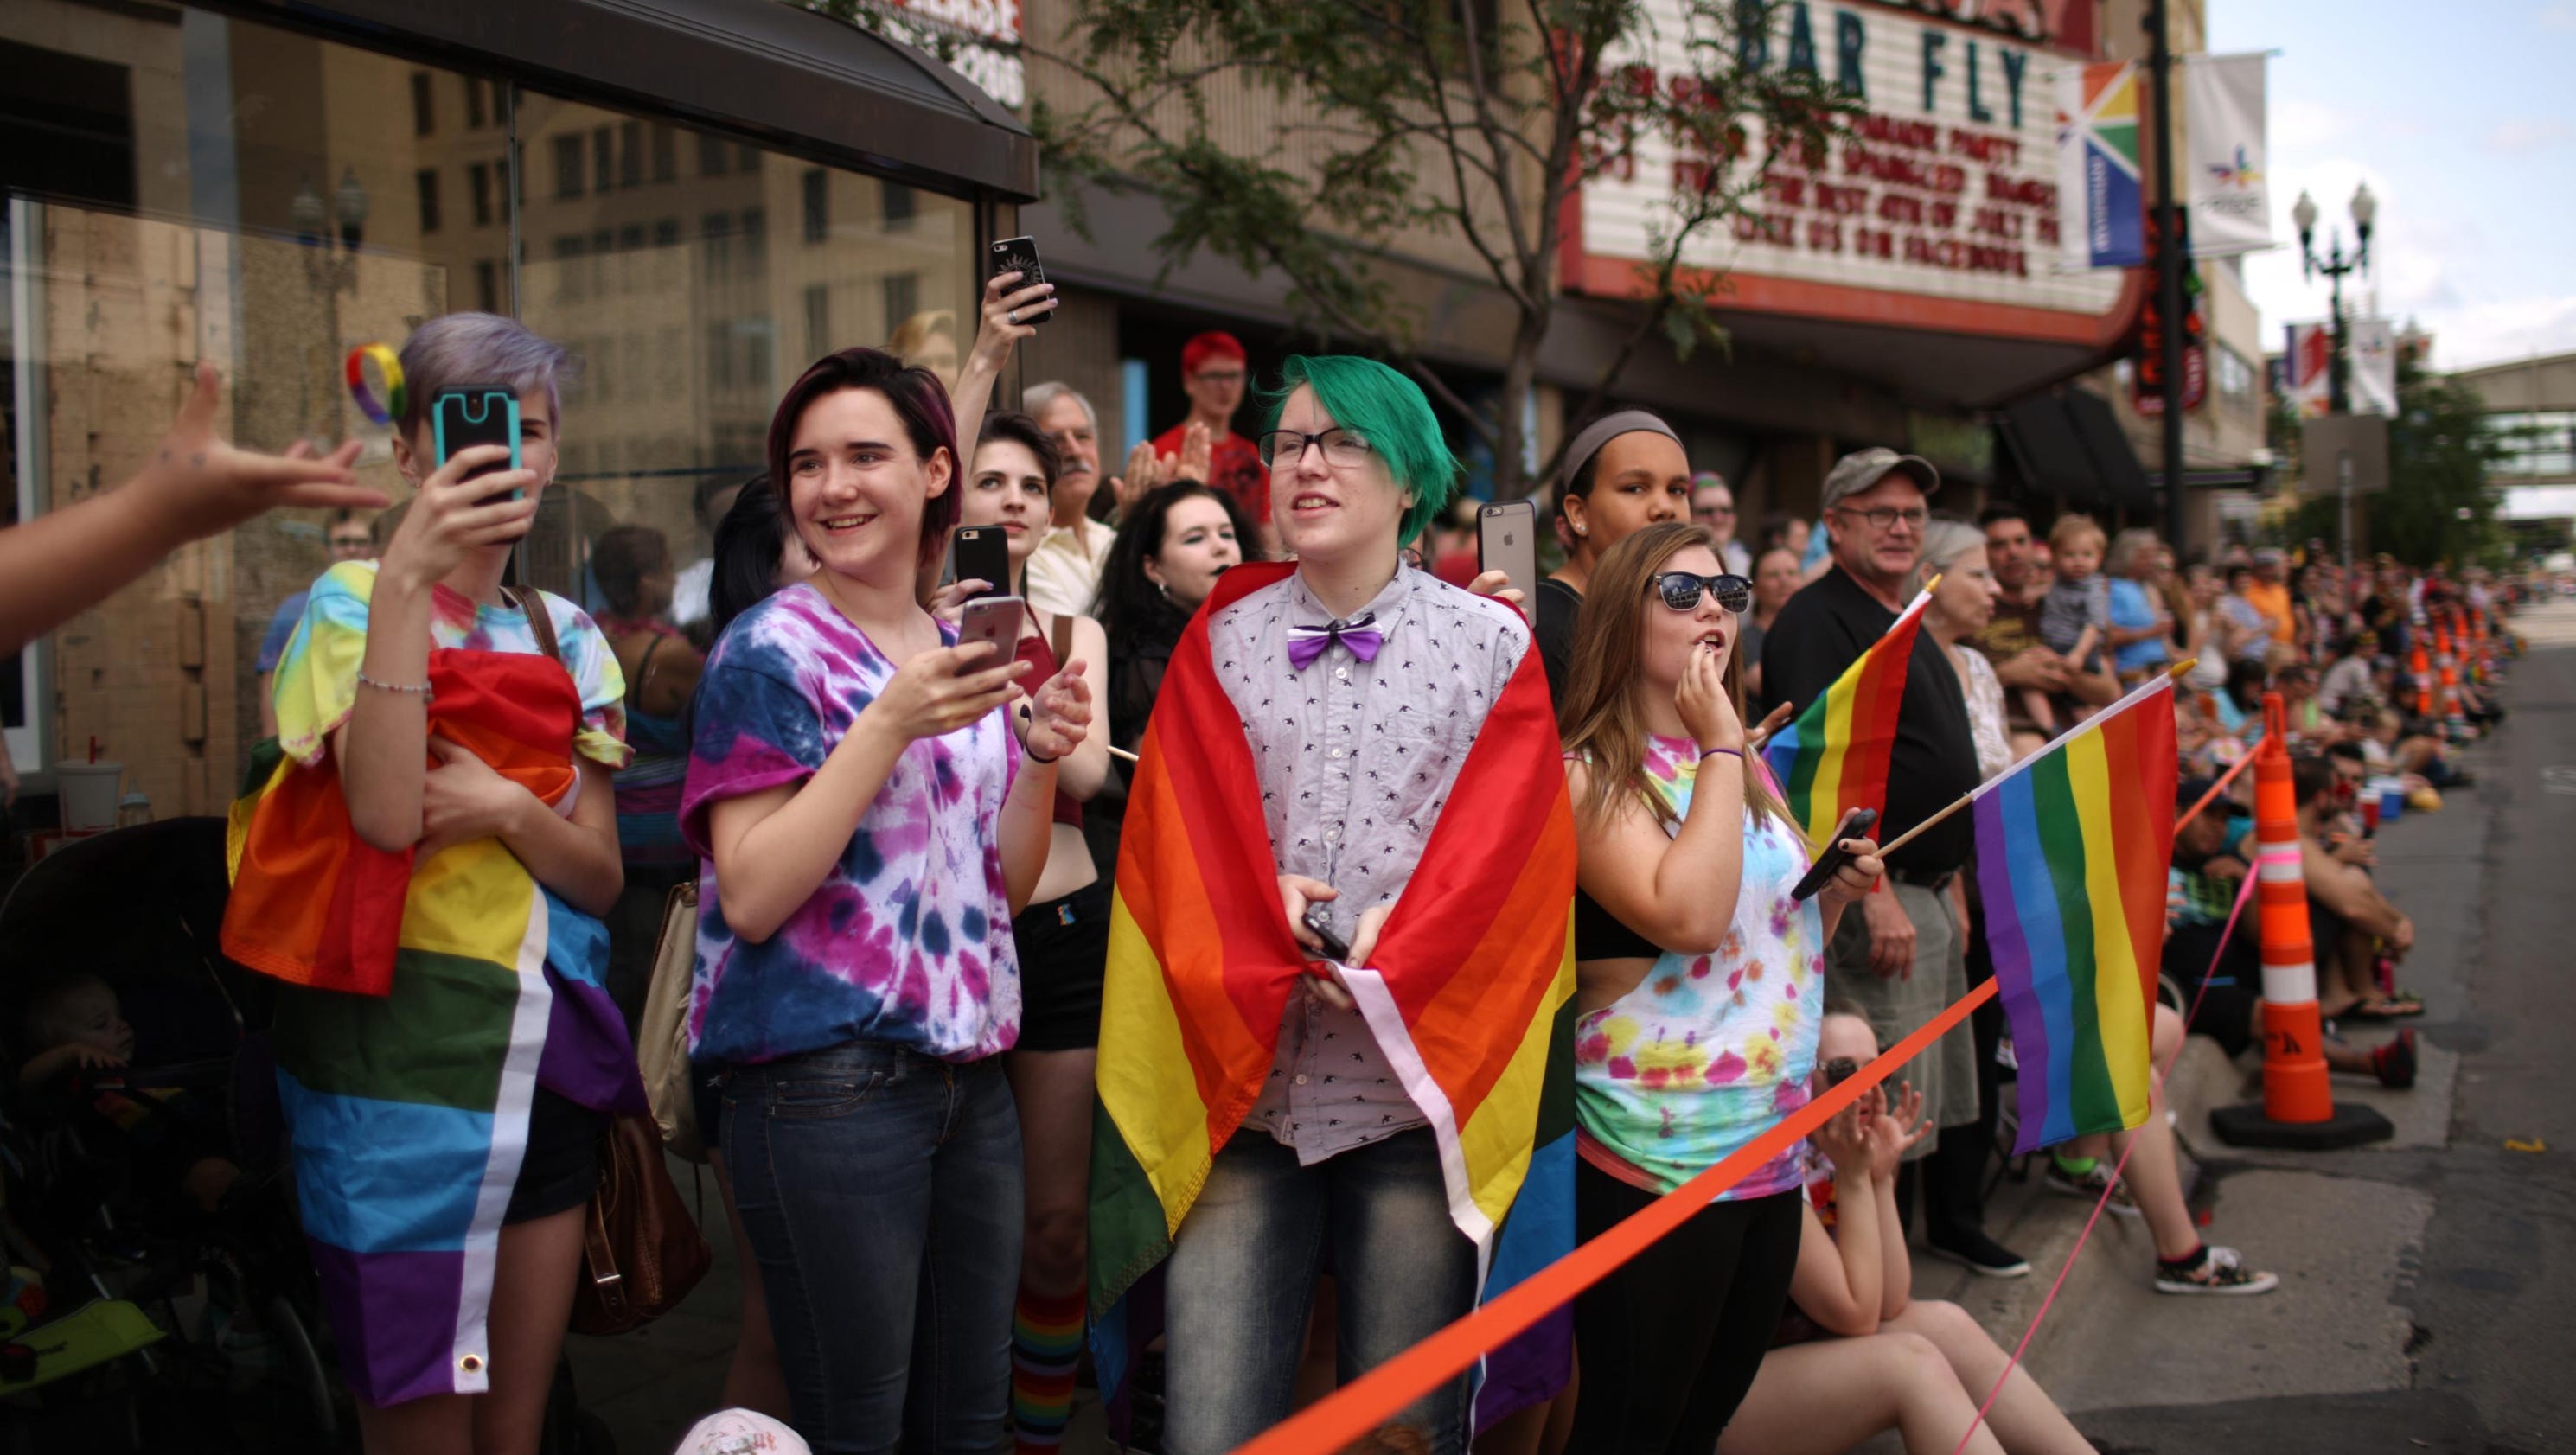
(2070, 444)
(800, 81)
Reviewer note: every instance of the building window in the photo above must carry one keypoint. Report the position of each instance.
(760, 345)
(712, 154)
(428, 180)
(478, 182)
(487, 286)
(666, 233)
(630, 154)
(755, 241)
(666, 153)
(818, 321)
(818, 205)
(474, 112)
(568, 166)
(568, 271)
(720, 355)
(603, 159)
(746, 158)
(898, 206)
(717, 229)
(2534, 445)
(902, 298)
(424, 116)
(630, 238)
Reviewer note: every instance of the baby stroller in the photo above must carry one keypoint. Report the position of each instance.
(243, 1354)
(231, 1293)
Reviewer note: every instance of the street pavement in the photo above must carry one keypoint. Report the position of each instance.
(2428, 1282)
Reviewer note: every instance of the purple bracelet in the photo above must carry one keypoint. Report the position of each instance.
(1736, 753)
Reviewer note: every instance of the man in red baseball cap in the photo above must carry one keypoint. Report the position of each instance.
(1213, 374)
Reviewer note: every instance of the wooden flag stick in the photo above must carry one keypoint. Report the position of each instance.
(2173, 673)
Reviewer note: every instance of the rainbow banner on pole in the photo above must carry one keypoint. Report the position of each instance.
(2101, 205)
(1832, 757)
(2072, 848)
(1470, 993)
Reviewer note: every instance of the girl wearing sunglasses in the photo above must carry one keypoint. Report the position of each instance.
(1700, 985)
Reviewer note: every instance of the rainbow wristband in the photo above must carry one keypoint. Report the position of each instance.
(389, 369)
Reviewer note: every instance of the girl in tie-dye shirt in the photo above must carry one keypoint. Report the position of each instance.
(869, 821)
(1699, 982)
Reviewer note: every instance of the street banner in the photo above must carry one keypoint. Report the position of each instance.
(2308, 368)
(2102, 206)
(2372, 369)
(2231, 204)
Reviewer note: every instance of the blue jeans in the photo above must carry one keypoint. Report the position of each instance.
(881, 1192)
(1242, 1280)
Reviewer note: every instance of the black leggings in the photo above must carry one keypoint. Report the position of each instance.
(1670, 1342)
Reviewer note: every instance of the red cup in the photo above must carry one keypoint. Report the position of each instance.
(2370, 813)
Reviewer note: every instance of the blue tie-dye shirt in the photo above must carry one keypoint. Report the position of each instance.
(908, 939)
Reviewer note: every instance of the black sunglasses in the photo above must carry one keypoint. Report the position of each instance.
(1681, 589)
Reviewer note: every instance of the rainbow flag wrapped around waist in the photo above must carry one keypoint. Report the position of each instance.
(426, 1004)
(2072, 849)
(1832, 757)
(1470, 993)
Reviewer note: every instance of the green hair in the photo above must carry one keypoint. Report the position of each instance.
(1386, 409)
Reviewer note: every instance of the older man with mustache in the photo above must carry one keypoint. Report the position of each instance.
(1064, 574)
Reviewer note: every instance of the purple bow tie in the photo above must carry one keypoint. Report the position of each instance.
(1306, 643)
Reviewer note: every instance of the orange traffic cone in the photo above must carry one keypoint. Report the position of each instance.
(2298, 1107)
(2422, 673)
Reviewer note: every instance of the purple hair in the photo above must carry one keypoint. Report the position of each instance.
(919, 400)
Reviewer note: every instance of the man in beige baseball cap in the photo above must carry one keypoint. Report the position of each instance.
(1864, 493)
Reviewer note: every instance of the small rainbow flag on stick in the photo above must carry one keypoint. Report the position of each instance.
(2072, 847)
(1832, 757)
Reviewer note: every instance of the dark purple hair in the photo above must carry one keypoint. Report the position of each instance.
(919, 400)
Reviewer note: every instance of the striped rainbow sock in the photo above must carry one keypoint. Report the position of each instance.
(1046, 1343)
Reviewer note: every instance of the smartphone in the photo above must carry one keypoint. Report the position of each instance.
(1507, 541)
(994, 619)
(981, 553)
(1855, 824)
(1334, 945)
(464, 415)
(1020, 255)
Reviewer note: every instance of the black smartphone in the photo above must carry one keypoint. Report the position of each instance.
(981, 553)
(463, 415)
(1334, 945)
(1507, 541)
(1855, 824)
(1020, 255)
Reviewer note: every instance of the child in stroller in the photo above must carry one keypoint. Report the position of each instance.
(78, 1045)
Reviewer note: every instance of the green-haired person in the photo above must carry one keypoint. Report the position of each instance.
(1360, 686)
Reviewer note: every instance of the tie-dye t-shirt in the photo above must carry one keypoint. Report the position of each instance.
(1709, 1050)
(319, 667)
(908, 939)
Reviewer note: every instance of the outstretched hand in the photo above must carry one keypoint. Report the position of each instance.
(199, 483)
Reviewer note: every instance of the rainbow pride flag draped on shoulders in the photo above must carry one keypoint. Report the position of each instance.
(1832, 757)
(2072, 848)
(1470, 992)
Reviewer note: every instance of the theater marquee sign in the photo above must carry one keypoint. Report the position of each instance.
(1939, 210)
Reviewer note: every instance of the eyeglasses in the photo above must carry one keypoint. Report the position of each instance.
(1282, 448)
(1715, 512)
(1681, 589)
(1886, 517)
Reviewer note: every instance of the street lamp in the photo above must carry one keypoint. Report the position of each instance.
(2365, 209)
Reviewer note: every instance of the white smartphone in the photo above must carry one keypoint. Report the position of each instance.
(994, 619)
(1507, 541)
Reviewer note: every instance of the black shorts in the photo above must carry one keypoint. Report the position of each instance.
(561, 1169)
(2226, 1013)
(1064, 952)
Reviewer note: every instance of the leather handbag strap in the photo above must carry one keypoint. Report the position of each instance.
(1062, 640)
(599, 1261)
(532, 601)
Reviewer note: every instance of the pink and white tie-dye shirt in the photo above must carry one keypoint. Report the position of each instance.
(1709, 1050)
(908, 939)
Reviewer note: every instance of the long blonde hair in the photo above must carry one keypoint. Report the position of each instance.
(1603, 717)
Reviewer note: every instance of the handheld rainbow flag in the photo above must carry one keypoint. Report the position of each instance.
(2072, 848)
(1470, 992)
(1832, 757)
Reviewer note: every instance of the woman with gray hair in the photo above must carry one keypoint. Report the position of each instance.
(2140, 624)
(448, 1054)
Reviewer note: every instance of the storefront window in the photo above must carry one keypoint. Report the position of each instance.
(267, 200)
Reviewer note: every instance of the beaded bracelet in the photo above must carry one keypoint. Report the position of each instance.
(419, 689)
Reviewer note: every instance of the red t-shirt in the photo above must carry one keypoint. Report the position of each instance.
(1234, 465)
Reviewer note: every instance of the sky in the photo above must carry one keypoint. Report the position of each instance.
(2461, 116)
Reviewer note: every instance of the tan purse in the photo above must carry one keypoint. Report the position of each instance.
(662, 1039)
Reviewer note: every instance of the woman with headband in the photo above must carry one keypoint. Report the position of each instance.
(1624, 472)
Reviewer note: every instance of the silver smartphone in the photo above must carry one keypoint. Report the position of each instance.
(1507, 541)
(994, 619)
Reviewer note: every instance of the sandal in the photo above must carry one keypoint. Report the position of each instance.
(2401, 1006)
